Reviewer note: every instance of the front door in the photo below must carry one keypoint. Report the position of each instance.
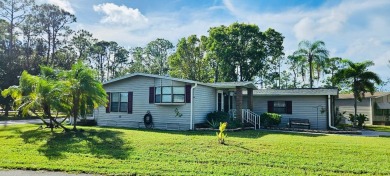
(226, 102)
(220, 101)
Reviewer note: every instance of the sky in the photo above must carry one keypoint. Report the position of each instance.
(356, 30)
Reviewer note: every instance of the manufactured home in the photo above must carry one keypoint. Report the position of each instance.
(376, 107)
(142, 100)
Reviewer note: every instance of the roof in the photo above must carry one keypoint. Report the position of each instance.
(222, 85)
(230, 85)
(299, 91)
(366, 95)
(149, 75)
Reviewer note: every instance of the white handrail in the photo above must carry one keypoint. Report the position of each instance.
(232, 113)
(250, 117)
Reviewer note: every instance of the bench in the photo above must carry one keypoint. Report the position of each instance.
(298, 122)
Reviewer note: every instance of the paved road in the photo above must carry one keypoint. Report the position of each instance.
(36, 173)
(29, 121)
(375, 133)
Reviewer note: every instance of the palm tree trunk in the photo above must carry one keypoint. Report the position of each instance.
(76, 100)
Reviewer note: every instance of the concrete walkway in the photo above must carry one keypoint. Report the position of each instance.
(36, 173)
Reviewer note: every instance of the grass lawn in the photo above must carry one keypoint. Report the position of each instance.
(378, 128)
(127, 151)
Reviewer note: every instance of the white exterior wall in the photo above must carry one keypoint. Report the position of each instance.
(204, 103)
(303, 107)
(363, 107)
(164, 116)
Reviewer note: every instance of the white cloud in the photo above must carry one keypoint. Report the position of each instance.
(63, 4)
(122, 15)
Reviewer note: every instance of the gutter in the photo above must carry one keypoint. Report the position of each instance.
(192, 106)
(330, 115)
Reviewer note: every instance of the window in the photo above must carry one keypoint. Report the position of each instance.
(169, 94)
(280, 107)
(158, 95)
(119, 102)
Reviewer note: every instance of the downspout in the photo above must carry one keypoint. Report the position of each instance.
(371, 116)
(330, 115)
(192, 106)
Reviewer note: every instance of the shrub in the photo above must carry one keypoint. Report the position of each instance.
(270, 119)
(339, 117)
(213, 124)
(86, 122)
(359, 119)
(217, 116)
(214, 119)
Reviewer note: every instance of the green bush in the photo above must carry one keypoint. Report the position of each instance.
(215, 118)
(86, 122)
(270, 119)
(359, 119)
(339, 117)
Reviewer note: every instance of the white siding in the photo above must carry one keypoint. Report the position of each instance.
(303, 107)
(164, 116)
(347, 105)
(204, 103)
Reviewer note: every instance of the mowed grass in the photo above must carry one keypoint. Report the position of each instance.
(150, 152)
(378, 128)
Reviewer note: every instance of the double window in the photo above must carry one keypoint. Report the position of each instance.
(119, 102)
(169, 94)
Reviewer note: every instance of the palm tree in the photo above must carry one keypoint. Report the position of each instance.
(313, 52)
(361, 80)
(39, 92)
(85, 90)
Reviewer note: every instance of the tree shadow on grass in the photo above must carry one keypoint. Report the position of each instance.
(251, 134)
(99, 143)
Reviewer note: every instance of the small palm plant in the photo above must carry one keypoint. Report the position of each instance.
(221, 134)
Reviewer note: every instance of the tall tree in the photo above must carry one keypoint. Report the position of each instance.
(313, 52)
(137, 64)
(361, 80)
(189, 60)
(99, 56)
(14, 11)
(239, 50)
(157, 53)
(332, 65)
(82, 41)
(86, 91)
(54, 23)
(297, 67)
(120, 61)
(274, 48)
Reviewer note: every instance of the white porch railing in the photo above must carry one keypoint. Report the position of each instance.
(232, 113)
(251, 117)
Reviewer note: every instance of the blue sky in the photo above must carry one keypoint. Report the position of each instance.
(357, 30)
